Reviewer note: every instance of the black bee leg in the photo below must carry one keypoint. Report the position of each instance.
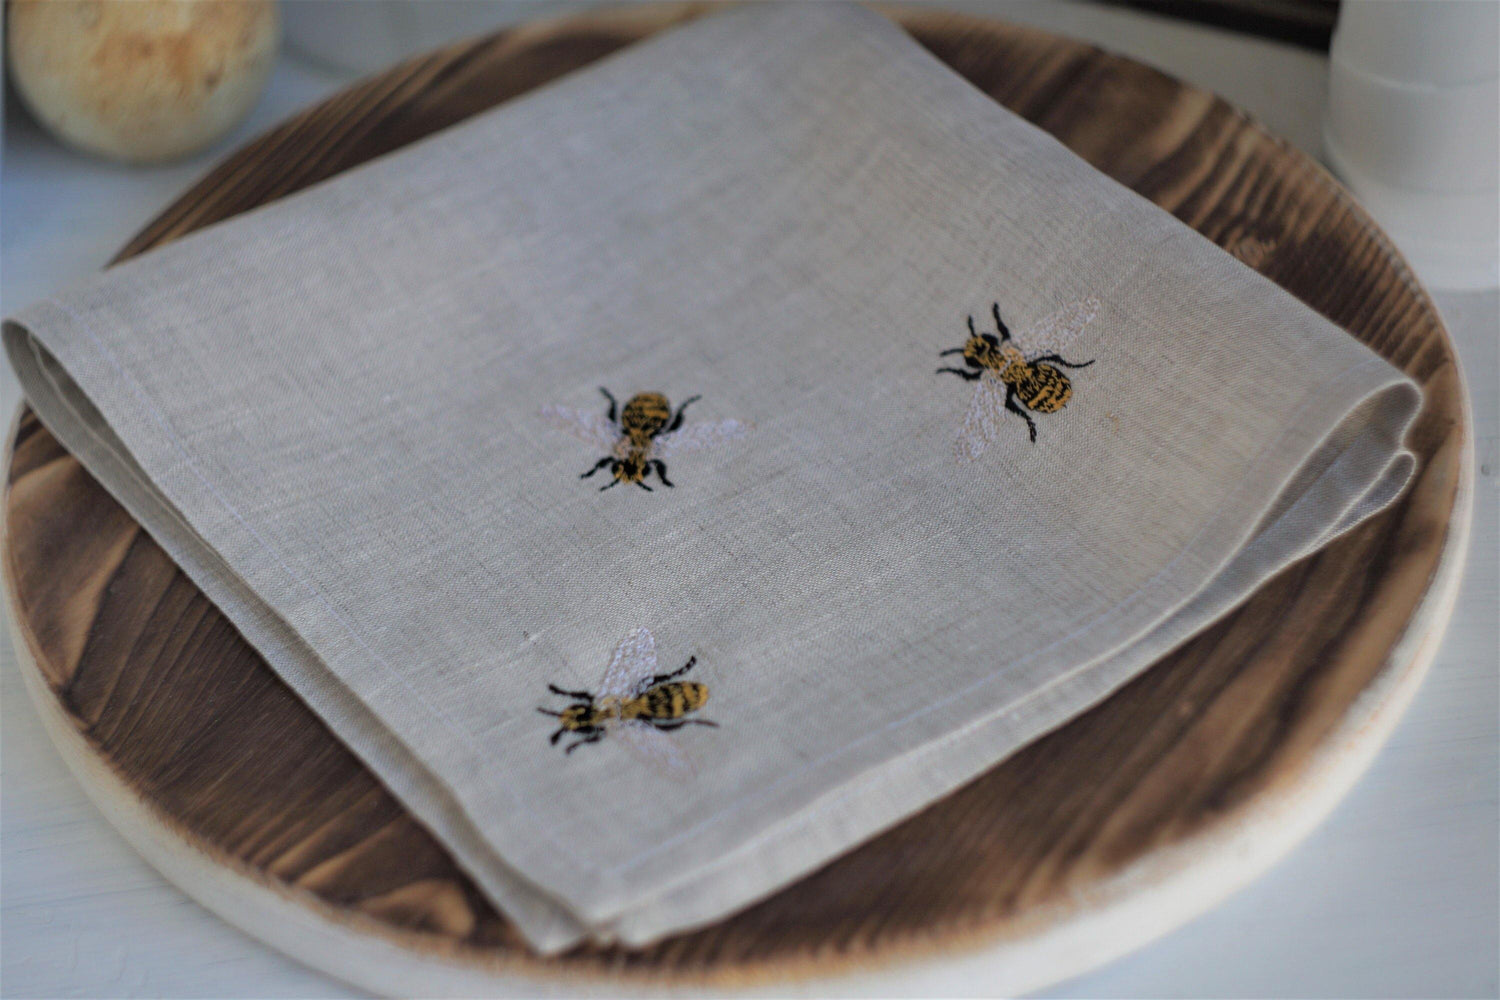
(677, 420)
(967, 376)
(594, 737)
(1054, 359)
(612, 407)
(598, 465)
(953, 350)
(612, 483)
(661, 471)
(667, 727)
(1000, 326)
(659, 678)
(643, 486)
(583, 696)
(556, 736)
(1014, 407)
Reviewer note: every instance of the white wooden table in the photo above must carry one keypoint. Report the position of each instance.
(1397, 894)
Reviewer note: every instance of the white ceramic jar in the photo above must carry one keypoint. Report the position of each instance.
(1413, 127)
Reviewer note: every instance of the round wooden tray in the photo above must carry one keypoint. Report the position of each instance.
(1110, 830)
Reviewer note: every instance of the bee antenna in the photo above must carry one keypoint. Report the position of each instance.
(1000, 323)
(972, 332)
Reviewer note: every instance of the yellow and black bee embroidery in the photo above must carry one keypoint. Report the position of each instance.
(1016, 373)
(641, 435)
(636, 704)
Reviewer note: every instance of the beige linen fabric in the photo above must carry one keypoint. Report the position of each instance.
(328, 411)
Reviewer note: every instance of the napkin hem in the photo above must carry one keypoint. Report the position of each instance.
(547, 923)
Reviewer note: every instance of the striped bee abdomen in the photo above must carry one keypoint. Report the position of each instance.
(645, 414)
(672, 700)
(1044, 389)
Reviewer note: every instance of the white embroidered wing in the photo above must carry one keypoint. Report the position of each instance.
(1055, 332)
(591, 428)
(654, 748)
(633, 664)
(698, 436)
(982, 421)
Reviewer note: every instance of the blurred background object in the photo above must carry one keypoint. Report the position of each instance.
(1308, 23)
(140, 80)
(1411, 127)
(366, 36)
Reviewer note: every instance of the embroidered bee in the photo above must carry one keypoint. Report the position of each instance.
(636, 704)
(1016, 373)
(644, 432)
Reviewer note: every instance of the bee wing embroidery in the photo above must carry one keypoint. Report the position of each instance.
(982, 421)
(633, 664)
(1055, 332)
(591, 428)
(698, 436)
(654, 748)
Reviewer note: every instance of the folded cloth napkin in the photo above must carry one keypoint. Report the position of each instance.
(922, 436)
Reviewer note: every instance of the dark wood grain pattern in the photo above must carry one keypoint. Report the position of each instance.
(166, 692)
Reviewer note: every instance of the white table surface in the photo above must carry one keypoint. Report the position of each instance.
(1397, 894)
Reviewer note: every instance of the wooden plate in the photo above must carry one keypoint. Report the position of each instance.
(1108, 831)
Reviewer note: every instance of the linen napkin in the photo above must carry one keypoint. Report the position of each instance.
(825, 582)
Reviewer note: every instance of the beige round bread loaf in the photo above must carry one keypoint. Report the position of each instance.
(140, 80)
